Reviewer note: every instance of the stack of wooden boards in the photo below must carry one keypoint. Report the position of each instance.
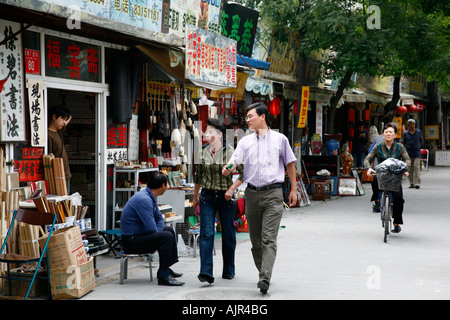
(62, 209)
(55, 175)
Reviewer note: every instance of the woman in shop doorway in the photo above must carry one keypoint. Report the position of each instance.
(216, 196)
(58, 118)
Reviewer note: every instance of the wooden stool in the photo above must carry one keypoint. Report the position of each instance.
(322, 189)
(124, 264)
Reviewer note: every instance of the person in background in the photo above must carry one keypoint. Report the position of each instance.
(360, 145)
(58, 118)
(382, 151)
(265, 154)
(216, 196)
(413, 140)
(143, 230)
(375, 190)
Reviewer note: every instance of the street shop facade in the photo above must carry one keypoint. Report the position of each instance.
(44, 65)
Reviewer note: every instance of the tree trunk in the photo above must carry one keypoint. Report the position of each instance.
(335, 100)
(389, 109)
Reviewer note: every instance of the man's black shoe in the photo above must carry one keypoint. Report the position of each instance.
(175, 274)
(169, 281)
(205, 278)
(172, 273)
(263, 285)
(417, 187)
(411, 186)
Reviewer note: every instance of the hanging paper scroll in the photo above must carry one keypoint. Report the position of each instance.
(37, 112)
(11, 91)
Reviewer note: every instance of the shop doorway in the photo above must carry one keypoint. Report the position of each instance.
(80, 141)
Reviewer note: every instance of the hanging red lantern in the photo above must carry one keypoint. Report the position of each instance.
(275, 106)
(420, 106)
(351, 132)
(401, 110)
(351, 115)
(295, 106)
(412, 108)
(366, 115)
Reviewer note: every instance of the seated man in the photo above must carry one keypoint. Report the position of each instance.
(143, 230)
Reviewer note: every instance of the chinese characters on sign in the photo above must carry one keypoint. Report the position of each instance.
(70, 59)
(37, 112)
(239, 23)
(31, 168)
(303, 108)
(32, 61)
(117, 144)
(12, 117)
(210, 58)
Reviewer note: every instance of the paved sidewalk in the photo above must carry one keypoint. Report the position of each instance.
(330, 250)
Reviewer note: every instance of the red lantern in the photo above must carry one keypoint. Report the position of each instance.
(351, 115)
(420, 106)
(366, 115)
(401, 110)
(412, 108)
(295, 107)
(275, 107)
(351, 132)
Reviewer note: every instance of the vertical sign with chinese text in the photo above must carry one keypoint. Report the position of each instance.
(37, 112)
(239, 23)
(116, 143)
(11, 91)
(303, 108)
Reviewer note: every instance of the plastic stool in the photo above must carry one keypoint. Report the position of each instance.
(194, 234)
(124, 264)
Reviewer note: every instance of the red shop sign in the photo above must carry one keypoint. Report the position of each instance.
(32, 61)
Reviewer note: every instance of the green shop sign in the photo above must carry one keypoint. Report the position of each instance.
(68, 59)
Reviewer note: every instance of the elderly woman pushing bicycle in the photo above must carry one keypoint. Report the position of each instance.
(383, 151)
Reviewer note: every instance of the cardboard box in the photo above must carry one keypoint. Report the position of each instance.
(72, 282)
(65, 248)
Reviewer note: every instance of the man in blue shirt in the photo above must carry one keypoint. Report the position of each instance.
(143, 230)
(413, 140)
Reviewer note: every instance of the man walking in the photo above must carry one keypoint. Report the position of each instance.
(413, 140)
(264, 153)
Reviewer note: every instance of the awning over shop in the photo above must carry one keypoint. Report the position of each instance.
(253, 63)
(259, 86)
(169, 62)
(354, 96)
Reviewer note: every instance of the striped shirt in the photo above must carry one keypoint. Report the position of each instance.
(382, 153)
(209, 175)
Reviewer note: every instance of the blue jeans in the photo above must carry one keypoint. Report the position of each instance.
(359, 159)
(210, 203)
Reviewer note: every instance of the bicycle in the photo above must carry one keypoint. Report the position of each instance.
(388, 181)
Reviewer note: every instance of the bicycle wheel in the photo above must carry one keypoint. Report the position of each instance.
(387, 215)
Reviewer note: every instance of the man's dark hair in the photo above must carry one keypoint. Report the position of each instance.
(216, 124)
(391, 125)
(59, 111)
(156, 179)
(260, 109)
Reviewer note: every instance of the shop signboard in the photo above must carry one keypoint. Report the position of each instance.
(239, 23)
(303, 108)
(210, 58)
(37, 112)
(69, 59)
(31, 167)
(159, 18)
(11, 91)
(117, 144)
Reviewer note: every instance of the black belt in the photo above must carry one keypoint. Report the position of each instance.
(270, 186)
